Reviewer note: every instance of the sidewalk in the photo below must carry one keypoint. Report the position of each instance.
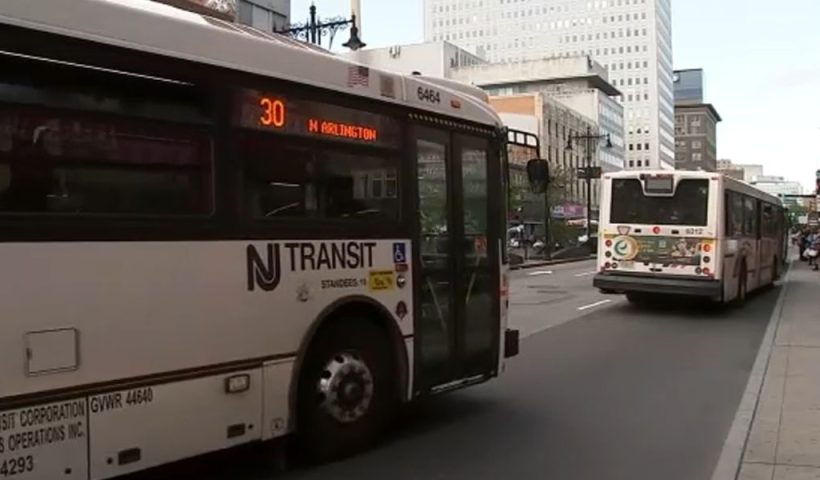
(784, 441)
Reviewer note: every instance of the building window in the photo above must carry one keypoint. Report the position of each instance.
(697, 144)
(697, 157)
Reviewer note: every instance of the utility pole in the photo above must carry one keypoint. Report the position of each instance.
(589, 172)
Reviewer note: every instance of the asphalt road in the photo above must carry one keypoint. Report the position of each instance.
(601, 391)
(543, 298)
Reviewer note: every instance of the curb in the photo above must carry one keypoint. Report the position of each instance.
(548, 263)
(731, 455)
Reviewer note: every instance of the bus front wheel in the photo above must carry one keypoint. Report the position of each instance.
(346, 390)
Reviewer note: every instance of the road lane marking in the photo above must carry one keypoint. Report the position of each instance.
(540, 272)
(593, 305)
(585, 274)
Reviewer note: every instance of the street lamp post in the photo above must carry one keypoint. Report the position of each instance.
(589, 172)
(314, 29)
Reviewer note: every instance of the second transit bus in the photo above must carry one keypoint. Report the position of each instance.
(688, 233)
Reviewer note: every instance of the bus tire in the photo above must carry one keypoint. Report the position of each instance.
(346, 395)
(637, 299)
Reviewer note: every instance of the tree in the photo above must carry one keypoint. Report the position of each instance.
(528, 207)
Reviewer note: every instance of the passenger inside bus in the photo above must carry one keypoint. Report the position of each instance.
(30, 176)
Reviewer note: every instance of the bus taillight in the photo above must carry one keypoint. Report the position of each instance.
(706, 271)
(608, 243)
(707, 247)
(656, 230)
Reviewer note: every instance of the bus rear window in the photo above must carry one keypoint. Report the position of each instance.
(688, 206)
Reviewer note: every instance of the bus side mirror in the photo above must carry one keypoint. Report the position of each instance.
(538, 173)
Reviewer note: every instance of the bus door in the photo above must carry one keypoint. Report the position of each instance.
(457, 321)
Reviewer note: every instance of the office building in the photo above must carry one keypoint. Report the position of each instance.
(777, 185)
(577, 82)
(696, 136)
(266, 15)
(695, 123)
(224, 9)
(631, 38)
(553, 123)
(750, 171)
(726, 167)
(432, 59)
(688, 86)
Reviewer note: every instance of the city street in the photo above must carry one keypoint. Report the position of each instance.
(601, 390)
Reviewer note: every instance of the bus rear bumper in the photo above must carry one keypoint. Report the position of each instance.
(670, 286)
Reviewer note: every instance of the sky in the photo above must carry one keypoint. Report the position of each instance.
(761, 62)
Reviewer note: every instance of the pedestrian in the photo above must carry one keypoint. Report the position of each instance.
(814, 251)
(802, 241)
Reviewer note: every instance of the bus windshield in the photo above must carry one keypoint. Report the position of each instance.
(688, 206)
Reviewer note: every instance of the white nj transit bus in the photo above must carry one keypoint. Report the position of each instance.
(688, 233)
(212, 235)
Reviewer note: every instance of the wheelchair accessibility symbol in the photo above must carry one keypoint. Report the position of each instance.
(399, 253)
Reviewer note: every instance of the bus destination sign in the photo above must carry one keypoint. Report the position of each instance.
(296, 116)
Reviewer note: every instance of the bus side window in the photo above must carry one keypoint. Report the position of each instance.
(768, 222)
(734, 214)
(79, 141)
(750, 217)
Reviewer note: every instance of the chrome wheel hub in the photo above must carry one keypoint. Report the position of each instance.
(345, 388)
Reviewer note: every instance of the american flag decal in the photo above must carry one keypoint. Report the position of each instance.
(358, 75)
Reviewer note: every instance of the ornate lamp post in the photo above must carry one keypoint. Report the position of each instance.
(314, 29)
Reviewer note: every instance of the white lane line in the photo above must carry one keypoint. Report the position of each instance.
(593, 305)
(585, 274)
(540, 272)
